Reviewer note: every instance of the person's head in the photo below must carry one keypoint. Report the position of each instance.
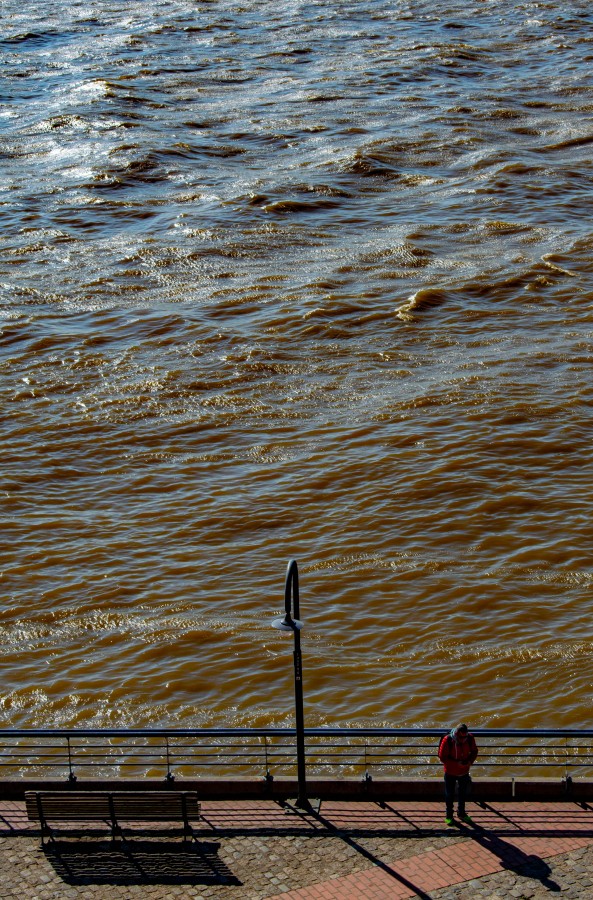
(459, 733)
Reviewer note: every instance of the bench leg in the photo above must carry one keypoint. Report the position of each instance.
(115, 827)
(188, 832)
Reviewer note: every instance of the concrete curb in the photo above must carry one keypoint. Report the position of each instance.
(337, 789)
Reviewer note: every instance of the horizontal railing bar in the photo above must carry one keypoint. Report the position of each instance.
(287, 732)
(485, 765)
(247, 749)
(341, 752)
(121, 764)
(416, 744)
(38, 765)
(374, 759)
(282, 751)
(369, 752)
(325, 760)
(344, 750)
(432, 748)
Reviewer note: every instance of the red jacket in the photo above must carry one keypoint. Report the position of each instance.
(457, 757)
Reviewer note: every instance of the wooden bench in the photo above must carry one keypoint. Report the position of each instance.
(111, 807)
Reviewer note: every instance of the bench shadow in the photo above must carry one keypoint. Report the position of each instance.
(79, 862)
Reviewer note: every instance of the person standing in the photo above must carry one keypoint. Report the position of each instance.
(457, 752)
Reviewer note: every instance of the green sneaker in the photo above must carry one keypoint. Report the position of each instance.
(467, 819)
(449, 821)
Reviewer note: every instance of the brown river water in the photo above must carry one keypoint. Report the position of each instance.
(303, 280)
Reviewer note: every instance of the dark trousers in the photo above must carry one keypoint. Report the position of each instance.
(463, 787)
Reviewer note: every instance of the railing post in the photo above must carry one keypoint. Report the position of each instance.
(169, 777)
(367, 775)
(71, 775)
(567, 777)
(269, 777)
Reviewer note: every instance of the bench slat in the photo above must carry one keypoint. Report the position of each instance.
(53, 806)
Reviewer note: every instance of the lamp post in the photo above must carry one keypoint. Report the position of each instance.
(292, 623)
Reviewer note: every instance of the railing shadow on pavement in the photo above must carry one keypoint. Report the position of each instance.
(79, 862)
(361, 820)
(396, 820)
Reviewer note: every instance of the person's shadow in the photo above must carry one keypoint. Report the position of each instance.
(512, 858)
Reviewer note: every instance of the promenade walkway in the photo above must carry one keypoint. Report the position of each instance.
(349, 850)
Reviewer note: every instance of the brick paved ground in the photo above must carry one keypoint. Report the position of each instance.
(257, 850)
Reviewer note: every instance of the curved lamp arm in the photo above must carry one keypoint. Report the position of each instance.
(291, 601)
(291, 590)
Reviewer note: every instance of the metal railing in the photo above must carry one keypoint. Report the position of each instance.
(268, 752)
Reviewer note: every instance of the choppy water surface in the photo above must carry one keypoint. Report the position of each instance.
(305, 280)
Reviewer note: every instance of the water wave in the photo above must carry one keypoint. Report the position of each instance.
(315, 283)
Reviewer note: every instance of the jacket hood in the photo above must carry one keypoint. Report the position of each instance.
(454, 733)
